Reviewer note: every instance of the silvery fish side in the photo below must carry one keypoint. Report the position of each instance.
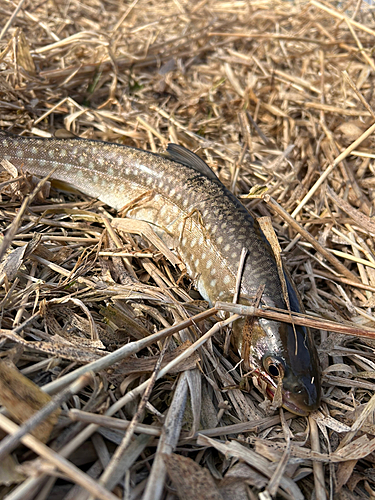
(197, 215)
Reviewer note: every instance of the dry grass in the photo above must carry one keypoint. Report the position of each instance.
(270, 93)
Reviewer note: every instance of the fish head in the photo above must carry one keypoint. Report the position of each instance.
(283, 358)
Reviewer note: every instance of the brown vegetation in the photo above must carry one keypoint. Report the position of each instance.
(270, 93)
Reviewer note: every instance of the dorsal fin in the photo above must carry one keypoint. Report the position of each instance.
(62, 133)
(190, 159)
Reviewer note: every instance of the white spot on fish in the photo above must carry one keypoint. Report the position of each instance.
(213, 271)
(193, 242)
(220, 240)
(234, 255)
(172, 192)
(5, 144)
(208, 263)
(213, 283)
(196, 263)
(227, 247)
(226, 279)
(34, 150)
(62, 153)
(19, 153)
(147, 170)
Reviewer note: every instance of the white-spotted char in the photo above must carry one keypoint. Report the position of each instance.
(195, 214)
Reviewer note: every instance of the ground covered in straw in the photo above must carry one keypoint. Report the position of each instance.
(269, 93)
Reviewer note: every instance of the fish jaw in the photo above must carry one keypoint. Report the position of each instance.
(290, 401)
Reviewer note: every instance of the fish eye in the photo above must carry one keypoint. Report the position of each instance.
(273, 366)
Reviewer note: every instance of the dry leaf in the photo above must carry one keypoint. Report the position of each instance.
(190, 480)
(262, 465)
(344, 472)
(24, 58)
(144, 229)
(12, 262)
(58, 347)
(233, 485)
(22, 398)
(9, 473)
(147, 365)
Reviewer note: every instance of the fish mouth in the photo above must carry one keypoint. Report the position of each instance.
(287, 396)
(288, 403)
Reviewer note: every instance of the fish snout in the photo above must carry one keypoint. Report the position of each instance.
(301, 394)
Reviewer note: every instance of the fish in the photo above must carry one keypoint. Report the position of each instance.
(196, 215)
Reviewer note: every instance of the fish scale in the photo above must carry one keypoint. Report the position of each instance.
(194, 214)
